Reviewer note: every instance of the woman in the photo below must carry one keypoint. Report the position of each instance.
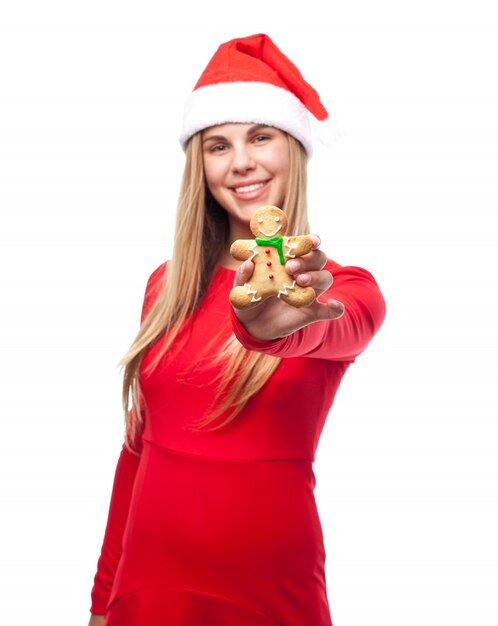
(212, 518)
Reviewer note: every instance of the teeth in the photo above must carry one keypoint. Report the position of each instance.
(248, 188)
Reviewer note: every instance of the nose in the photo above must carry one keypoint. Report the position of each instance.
(242, 159)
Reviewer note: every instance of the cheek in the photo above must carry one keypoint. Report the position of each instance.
(213, 173)
(282, 163)
(282, 178)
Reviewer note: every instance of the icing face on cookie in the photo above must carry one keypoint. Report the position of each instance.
(268, 251)
(268, 222)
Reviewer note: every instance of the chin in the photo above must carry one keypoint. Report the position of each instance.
(245, 213)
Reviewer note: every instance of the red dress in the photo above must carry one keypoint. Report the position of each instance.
(221, 528)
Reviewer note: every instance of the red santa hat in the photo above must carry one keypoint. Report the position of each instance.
(249, 80)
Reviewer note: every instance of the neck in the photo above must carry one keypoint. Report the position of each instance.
(238, 230)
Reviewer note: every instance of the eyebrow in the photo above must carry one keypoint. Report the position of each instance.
(250, 131)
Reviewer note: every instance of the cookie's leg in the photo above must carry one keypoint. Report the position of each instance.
(244, 297)
(298, 296)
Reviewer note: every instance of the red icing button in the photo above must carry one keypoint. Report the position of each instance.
(268, 263)
(267, 251)
(270, 276)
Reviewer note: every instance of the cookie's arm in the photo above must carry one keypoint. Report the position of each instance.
(342, 339)
(242, 249)
(297, 246)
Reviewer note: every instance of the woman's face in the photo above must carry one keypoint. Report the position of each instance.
(246, 166)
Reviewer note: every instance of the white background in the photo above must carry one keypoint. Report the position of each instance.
(91, 98)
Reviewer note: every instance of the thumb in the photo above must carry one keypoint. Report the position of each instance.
(331, 310)
(243, 274)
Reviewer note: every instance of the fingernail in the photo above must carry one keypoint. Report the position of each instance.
(292, 266)
(337, 305)
(304, 279)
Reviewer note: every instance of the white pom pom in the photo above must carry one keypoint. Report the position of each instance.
(328, 131)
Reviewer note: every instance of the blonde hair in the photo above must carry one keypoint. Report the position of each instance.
(202, 233)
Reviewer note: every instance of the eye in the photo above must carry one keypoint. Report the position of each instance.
(219, 147)
(260, 220)
(277, 219)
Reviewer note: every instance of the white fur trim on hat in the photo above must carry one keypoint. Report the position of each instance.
(246, 102)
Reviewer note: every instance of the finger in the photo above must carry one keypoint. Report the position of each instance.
(243, 274)
(320, 281)
(330, 310)
(312, 261)
(317, 242)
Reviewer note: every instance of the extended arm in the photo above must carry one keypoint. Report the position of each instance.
(338, 339)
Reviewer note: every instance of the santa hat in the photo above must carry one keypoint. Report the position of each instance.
(249, 80)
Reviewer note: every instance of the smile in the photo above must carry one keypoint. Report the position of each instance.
(252, 190)
(270, 234)
(249, 188)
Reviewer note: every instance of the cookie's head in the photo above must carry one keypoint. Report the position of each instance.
(268, 221)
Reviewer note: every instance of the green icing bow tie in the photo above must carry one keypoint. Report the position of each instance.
(276, 242)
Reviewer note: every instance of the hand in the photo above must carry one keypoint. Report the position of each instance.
(96, 620)
(273, 318)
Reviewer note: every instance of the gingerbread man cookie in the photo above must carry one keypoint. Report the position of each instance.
(269, 251)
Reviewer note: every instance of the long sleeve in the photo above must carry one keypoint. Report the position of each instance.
(124, 479)
(343, 339)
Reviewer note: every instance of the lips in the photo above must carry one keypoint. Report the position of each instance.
(247, 188)
(251, 190)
